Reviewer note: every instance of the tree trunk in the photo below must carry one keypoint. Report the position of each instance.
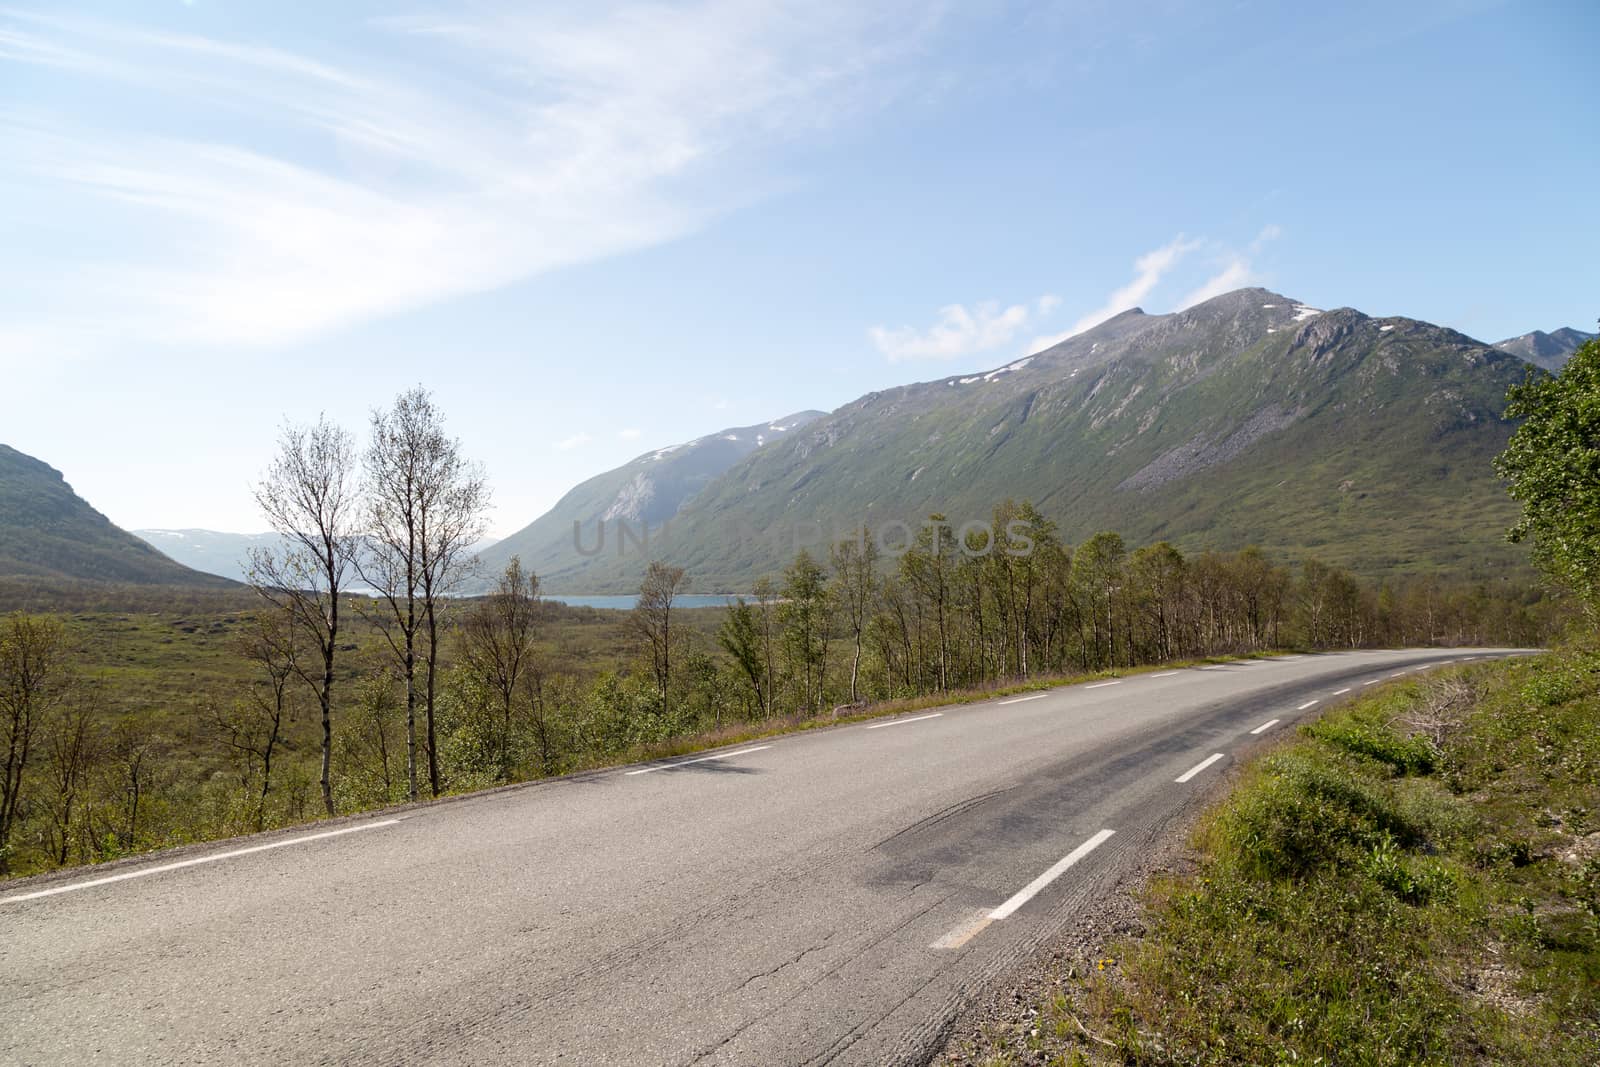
(433, 662)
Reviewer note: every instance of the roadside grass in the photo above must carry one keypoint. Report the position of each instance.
(1413, 879)
(738, 733)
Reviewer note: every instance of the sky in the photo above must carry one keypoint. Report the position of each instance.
(594, 229)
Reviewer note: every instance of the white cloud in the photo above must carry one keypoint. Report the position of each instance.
(1234, 275)
(630, 434)
(959, 331)
(1270, 232)
(577, 440)
(206, 191)
(1148, 270)
(1236, 271)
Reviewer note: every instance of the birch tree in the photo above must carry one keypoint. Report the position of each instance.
(309, 496)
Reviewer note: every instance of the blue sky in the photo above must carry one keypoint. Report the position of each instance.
(593, 229)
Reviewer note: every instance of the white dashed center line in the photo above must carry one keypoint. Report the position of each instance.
(1307, 704)
(702, 759)
(902, 722)
(1264, 727)
(976, 922)
(1029, 891)
(1340, 692)
(1167, 674)
(1197, 768)
(1102, 685)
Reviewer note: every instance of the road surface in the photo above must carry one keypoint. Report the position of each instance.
(835, 896)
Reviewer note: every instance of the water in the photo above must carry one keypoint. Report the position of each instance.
(626, 601)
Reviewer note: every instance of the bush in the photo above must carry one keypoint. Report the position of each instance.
(1403, 755)
(1307, 810)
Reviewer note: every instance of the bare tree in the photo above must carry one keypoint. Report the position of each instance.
(134, 760)
(255, 726)
(423, 509)
(452, 501)
(33, 680)
(652, 620)
(308, 495)
(73, 746)
(497, 638)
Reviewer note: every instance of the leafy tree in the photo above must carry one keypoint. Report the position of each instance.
(497, 649)
(1552, 465)
(929, 568)
(1158, 573)
(855, 565)
(652, 621)
(740, 637)
(34, 677)
(804, 617)
(1097, 571)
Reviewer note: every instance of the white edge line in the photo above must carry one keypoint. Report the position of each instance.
(1264, 727)
(1197, 768)
(899, 722)
(1307, 704)
(702, 759)
(1341, 692)
(1216, 666)
(1102, 685)
(1167, 674)
(1029, 891)
(1018, 700)
(1375, 681)
(144, 872)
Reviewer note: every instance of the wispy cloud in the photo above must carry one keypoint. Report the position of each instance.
(210, 191)
(960, 330)
(577, 440)
(1148, 270)
(630, 434)
(1236, 272)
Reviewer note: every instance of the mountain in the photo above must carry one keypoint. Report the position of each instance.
(640, 494)
(224, 554)
(1248, 419)
(210, 551)
(1547, 350)
(48, 531)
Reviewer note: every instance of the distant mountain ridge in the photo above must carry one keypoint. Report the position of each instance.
(1547, 350)
(48, 531)
(1251, 418)
(641, 494)
(224, 554)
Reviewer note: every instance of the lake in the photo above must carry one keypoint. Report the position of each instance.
(626, 601)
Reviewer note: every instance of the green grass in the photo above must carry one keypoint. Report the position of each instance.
(1412, 880)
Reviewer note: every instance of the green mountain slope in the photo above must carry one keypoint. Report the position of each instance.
(1248, 419)
(48, 531)
(1547, 350)
(641, 494)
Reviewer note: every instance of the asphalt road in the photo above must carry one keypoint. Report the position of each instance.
(828, 897)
